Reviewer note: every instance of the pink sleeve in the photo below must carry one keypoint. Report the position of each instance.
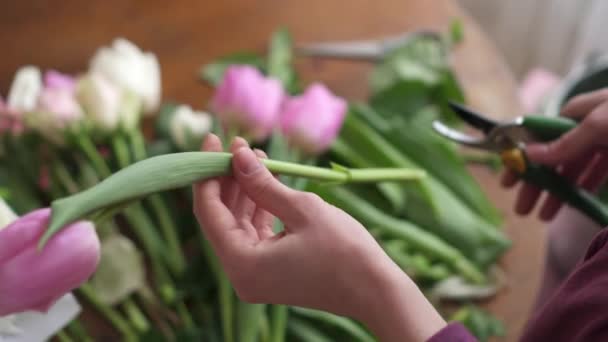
(453, 332)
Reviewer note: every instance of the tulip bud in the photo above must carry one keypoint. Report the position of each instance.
(312, 121)
(33, 280)
(128, 67)
(106, 105)
(248, 101)
(57, 109)
(188, 127)
(6, 214)
(25, 89)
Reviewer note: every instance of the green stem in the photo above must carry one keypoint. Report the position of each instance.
(340, 174)
(278, 322)
(63, 175)
(77, 329)
(89, 149)
(137, 318)
(175, 256)
(225, 295)
(62, 336)
(108, 313)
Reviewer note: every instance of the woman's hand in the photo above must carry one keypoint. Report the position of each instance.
(579, 155)
(324, 259)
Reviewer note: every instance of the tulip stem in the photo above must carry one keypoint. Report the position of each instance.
(62, 336)
(339, 174)
(63, 175)
(137, 318)
(89, 149)
(225, 295)
(108, 313)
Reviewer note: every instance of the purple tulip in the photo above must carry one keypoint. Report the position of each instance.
(247, 101)
(33, 280)
(312, 121)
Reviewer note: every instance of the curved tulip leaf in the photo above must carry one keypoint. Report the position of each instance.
(177, 170)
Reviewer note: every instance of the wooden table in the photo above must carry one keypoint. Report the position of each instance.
(185, 34)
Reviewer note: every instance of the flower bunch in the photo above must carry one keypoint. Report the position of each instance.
(256, 105)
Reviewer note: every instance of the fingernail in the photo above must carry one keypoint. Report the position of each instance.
(246, 161)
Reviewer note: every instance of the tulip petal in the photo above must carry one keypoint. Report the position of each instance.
(32, 279)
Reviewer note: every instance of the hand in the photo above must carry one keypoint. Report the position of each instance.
(324, 259)
(579, 155)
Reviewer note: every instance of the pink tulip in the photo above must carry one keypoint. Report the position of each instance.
(247, 101)
(58, 97)
(57, 108)
(312, 121)
(57, 80)
(33, 280)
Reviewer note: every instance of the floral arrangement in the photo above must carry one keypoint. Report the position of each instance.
(147, 271)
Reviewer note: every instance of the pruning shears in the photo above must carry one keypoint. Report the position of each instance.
(370, 51)
(509, 139)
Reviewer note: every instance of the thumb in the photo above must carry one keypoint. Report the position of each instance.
(567, 148)
(263, 188)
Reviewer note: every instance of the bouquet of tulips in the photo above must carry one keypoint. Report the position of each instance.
(146, 270)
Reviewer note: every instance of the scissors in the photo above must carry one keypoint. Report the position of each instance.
(363, 50)
(509, 139)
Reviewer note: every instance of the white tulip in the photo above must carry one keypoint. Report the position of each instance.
(100, 99)
(25, 89)
(189, 127)
(6, 214)
(127, 66)
(107, 105)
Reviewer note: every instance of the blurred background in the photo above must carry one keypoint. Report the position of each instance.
(553, 34)
(512, 55)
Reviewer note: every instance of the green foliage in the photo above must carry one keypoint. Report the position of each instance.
(479, 322)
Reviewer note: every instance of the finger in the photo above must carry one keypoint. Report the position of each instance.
(527, 198)
(230, 187)
(265, 190)
(581, 105)
(214, 217)
(572, 172)
(597, 173)
(590, 134)
(563, 150)
(263, 221)
(244, 207)
(509, 179)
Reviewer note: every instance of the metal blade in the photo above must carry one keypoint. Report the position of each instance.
(472, 118)
(365, 50)
(464, 139)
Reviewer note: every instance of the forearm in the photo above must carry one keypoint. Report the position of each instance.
(399, 311)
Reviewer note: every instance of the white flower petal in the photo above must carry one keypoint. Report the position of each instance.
(25, 89)
(6, 214)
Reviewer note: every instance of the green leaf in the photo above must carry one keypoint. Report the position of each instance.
(479, 322)
(456, 32)
(279, 60)
(413, 135)
(430, 203)
(422, 59)
(214, 72)
(357, 332)
(306, 332)
(402, 98)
